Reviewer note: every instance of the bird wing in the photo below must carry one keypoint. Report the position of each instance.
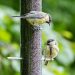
(56, 48)
(35, 15)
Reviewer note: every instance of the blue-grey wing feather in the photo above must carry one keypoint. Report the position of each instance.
(35, 15)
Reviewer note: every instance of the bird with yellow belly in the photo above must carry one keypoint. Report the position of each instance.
(51, 50)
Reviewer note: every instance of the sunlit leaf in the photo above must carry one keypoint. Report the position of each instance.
(5, 36)
(67, 34)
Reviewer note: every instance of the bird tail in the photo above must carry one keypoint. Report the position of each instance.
(19, 16)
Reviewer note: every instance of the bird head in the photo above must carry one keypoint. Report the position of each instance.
(48, 19)
(51, 42)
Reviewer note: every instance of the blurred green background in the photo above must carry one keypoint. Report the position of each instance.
(62, 29)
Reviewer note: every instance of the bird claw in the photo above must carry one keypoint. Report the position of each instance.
(37, 28)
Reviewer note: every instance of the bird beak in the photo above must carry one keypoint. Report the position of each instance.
(48, 22)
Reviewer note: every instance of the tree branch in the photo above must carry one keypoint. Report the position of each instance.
(30, 41)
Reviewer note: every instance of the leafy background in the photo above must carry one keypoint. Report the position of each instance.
(62, 29)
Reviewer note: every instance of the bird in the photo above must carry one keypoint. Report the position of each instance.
(51, 50)
(36, 18)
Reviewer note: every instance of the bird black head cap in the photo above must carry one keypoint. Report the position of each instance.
(50, 40)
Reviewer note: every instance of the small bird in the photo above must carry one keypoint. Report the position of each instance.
(51, 50)
(36, 18)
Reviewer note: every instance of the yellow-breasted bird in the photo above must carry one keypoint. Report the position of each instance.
(36, 18)
(51, 50)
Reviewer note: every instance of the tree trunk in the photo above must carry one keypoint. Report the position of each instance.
(31, 63)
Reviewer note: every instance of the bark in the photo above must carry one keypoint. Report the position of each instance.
(30, 41)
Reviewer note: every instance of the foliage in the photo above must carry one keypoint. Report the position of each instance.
(9, 41)
(62, 29)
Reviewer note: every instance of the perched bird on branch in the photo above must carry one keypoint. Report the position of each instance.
(51, 50)
(36, 18)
